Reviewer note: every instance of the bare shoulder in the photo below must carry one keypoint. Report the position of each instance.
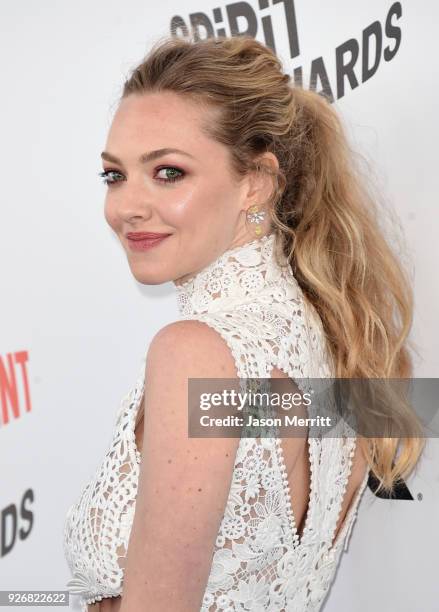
(184, 480)
(193, 348)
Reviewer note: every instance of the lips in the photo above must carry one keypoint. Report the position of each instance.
(145, 235)
(143, 241)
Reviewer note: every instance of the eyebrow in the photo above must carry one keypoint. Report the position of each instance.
(145, 157)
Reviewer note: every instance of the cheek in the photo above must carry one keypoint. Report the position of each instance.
(183, 208)
(198, 206)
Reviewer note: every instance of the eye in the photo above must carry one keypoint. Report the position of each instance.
(171, 175)
(108, 176)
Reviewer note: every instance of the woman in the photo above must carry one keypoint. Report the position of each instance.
(239, 188)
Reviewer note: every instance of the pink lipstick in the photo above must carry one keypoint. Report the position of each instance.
(143, 241)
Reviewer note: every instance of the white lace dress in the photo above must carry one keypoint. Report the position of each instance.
(259, 563)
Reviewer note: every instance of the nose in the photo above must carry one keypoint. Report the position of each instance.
(134, 204)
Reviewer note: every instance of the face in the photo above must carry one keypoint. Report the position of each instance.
(189, 196)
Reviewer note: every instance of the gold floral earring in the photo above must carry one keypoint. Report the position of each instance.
(254, 215)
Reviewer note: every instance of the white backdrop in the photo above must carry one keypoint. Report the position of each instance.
(75, 323)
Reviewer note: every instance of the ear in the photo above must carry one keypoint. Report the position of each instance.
(261, 182)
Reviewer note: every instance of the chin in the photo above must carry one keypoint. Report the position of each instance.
(149, 278)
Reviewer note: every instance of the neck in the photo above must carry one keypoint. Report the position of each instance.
(234, 279)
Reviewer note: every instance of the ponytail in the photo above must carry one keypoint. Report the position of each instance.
(325, 218)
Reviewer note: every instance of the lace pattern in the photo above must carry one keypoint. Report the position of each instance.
(251, 298)
(98, 525)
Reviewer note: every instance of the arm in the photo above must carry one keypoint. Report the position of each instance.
(183, 482)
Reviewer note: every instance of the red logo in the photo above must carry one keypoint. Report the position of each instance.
(14, 386)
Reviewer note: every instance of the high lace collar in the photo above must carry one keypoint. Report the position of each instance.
(237, 277)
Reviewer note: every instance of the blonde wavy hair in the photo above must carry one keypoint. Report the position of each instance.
(321, 209)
